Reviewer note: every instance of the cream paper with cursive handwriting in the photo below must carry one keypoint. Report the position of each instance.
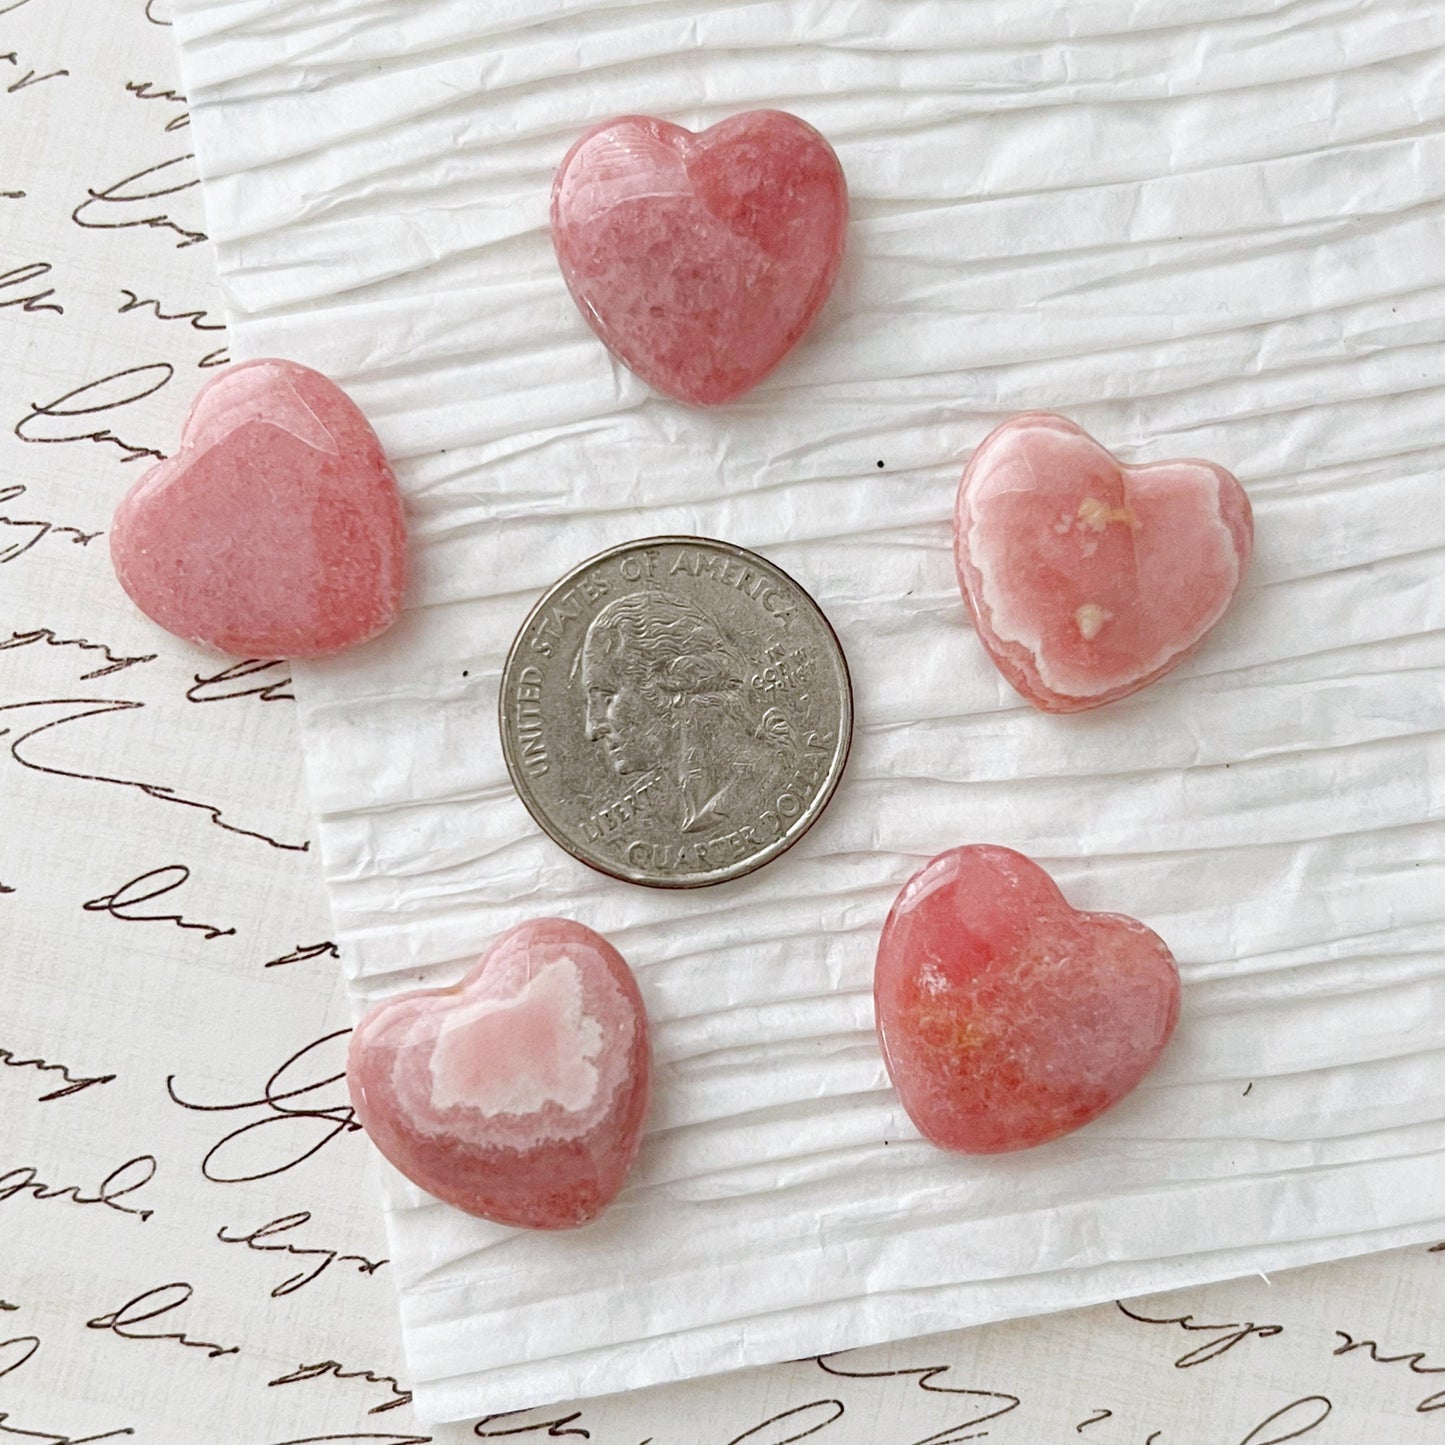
(189, 1245)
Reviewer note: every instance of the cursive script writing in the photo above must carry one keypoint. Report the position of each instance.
(925, 1375)
(262, 1239)
(31, 76)
(360, 1439)
(124, 1179)
(304, 953)
(77, 709)
(146, 888)
(115, 207)
(814, 1416)
(38, 530)
(1227, 1336)
(164, 1299)
(74, 1083)
(146, 90)
(17, 1352)
(297, 1121)
(557, 1428)
(51, 422)
(197, 321)
(47, 636)
(238, 681)
(1415, 1359)
(1297, 1418)
(332, 1369)
(19, 277)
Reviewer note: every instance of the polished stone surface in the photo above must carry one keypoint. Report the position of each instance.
(1007, 1018)
(519, 1093)
(1088, 579)
(700, 260)
(276, 529)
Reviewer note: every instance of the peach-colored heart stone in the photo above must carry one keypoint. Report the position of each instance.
(1088, 579)
(276, 529)
(1006, 1017)
(700, 260)
(519, 1093)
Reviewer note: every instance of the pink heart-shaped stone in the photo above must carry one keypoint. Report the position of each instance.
(519, 1093)
(1006, 1017)
(276, 530)
(700, 259)
(1088, 579)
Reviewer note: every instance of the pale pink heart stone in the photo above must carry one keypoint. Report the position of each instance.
(519, 1093)
(1088, 579)
(276, 529)
(1006, 1017)
(700, 260)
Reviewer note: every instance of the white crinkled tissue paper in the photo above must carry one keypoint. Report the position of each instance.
(1202, 227)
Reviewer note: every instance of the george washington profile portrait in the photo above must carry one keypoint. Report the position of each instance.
(668, 691)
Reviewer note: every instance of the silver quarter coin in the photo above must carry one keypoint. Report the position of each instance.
(676, 712)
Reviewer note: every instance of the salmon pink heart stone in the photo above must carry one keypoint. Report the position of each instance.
(519, 1093)
(1088, 579)
(1006, 1017)
(700, 259)
(276, 529)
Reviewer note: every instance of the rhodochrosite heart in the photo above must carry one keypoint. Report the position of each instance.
(700, 259)
(1006, 1017)
(519, 1093)
(276, 530)
(1088, 579)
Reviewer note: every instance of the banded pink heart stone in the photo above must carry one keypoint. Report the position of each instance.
(519, 1093)
(700, 260)
(1006, 1017)
(276, 529)
(1088, 579)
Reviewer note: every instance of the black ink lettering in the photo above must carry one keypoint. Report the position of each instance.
(125, 1179)
(162, 1300)
(195, 318)
(35, 300)
(258, 1239)
(14, 1353)
(305, 954)
(143, 90)
(925, 1376)
(332, 1369)
(74, 1083)
(1290, 1415)
(1415, 1359)
(37, 529)
(45, 635)
(92, 398)
(87, 707)
(124, 193)
(1098, 1415)
(235, 681)
(286, 1116)
(358, 1440)
(1229, 1335)
(145, 888)
(556, 1429)
(30, 77)
(806, 1415)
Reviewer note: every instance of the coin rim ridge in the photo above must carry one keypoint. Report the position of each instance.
(750, 864)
